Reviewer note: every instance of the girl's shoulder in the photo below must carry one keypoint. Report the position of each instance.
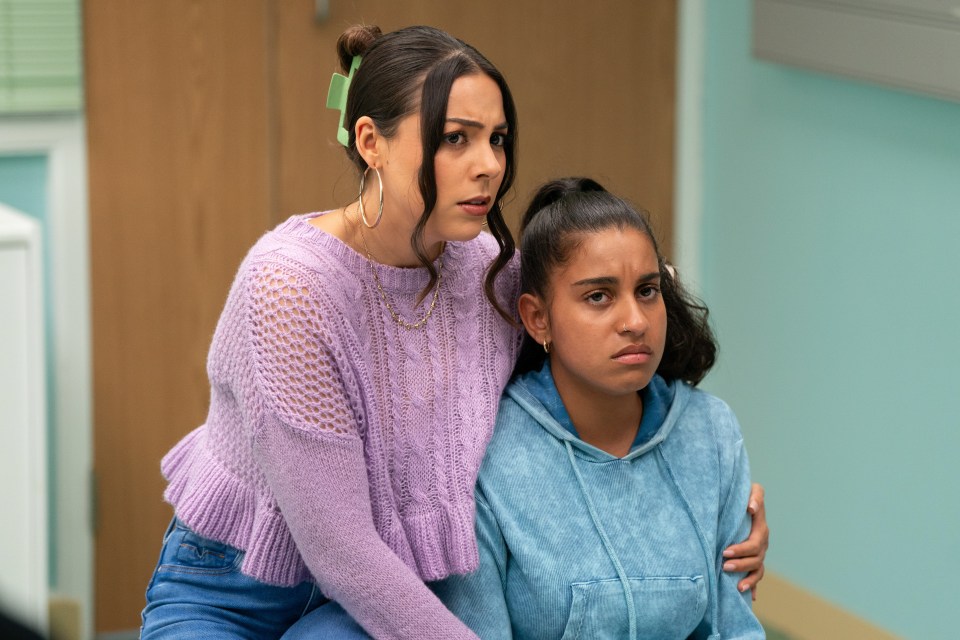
(708, 415)
(704, 400)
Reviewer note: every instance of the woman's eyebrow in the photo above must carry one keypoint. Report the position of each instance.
(473, 123)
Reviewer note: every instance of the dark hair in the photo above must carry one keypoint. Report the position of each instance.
(554, 224)
(414, 68)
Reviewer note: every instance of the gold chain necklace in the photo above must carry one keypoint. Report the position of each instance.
(383, 295)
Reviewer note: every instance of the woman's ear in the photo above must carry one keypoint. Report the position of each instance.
(536, 320)
(368, 141)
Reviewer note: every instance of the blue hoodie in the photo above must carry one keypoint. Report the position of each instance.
(577, 543)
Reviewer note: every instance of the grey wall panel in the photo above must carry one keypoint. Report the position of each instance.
(907, 44)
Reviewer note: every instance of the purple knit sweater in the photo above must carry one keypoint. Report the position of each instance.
(340, 446)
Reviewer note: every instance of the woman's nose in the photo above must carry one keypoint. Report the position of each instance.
(634, 320)
(488, 162)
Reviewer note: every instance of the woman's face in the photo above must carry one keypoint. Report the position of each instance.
(606, 317)
(468, 166)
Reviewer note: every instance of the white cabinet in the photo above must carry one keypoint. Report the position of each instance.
(23, 451)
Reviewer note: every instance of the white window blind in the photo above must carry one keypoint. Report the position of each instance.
(40, 56)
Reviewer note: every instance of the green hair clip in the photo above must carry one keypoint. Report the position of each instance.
(337, 98)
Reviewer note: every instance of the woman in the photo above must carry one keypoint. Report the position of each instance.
(611, 486)
(338, 459)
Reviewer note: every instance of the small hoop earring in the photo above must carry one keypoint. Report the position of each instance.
(363, 214)
(546, 346)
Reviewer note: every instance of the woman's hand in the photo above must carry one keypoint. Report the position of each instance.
(748, 555)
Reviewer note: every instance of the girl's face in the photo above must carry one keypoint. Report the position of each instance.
(605, 316)
(468, 166)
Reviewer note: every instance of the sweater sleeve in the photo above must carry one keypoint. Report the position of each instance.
(312, 457)
(735, 617)
(479, 598)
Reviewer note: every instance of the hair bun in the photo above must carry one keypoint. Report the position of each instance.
(556, 190)
(354, 42)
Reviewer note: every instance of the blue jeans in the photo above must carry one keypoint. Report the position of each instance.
(329, 621)
(198, 592)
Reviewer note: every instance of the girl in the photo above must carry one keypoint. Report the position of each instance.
(611, 486)
(337, 463)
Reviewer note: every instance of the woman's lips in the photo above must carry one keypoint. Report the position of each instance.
(478, 206)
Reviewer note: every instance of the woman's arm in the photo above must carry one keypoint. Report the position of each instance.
(479, 598)
(747, 556)
(312, 456)
(320, 484)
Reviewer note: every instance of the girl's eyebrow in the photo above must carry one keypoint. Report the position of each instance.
(610, 280)
(474, 123)
(592, 282)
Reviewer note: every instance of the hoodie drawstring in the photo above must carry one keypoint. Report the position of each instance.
(627, 591)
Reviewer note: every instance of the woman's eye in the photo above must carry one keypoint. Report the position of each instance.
(454, 138)
(648, 292)
(498, 139)
(597, 297)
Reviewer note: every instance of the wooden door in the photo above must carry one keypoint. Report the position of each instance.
(180, 184)
(206, 126)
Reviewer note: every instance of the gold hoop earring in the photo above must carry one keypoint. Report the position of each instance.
(546, 346)
(363, 214)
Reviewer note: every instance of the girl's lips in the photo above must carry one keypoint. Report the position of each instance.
(633, 358)
(634, 354)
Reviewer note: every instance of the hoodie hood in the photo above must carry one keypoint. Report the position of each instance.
(537, 394)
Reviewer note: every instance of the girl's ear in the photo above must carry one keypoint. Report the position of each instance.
(536, 320)
(368, 141)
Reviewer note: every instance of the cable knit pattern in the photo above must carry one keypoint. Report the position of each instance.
(333, 431)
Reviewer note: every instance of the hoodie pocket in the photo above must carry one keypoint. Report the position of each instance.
(666, 607)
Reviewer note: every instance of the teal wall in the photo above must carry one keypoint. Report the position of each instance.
(23, 183)
(830, 258)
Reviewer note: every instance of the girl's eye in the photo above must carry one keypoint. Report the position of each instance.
(454, 138)
(597, 297)
(648, 292)
(498, 139)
